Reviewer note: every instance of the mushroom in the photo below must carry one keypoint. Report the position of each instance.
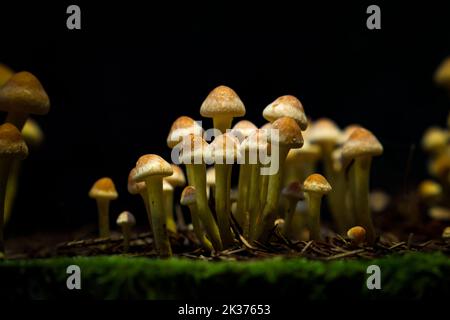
(442, 74)
(435, 140)
(189, 199)
(315, 186)
(446, 233)
(141, 189)
(210, 181)
(430, 191)
(286, 106)
(193, 154)
(288, 136)
(12, 147)
(126, 221)
(360, 147)
(301, 162)
(103, 191)
(439, 213)
(224, 151)
(5, 74)
(22, 95)
(168, 206)
(243, 129)
(357, 234)
(222, 104)
(177, 179)
(151, 168)
(293, 194)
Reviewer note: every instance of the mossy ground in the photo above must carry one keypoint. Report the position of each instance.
(409, 276)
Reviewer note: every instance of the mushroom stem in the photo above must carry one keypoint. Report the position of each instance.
(168, 207)
(264, 185)
(222, 199)
(11, 189)
(289, 218)
(17, 118)
(360, 176)
(5, 165)
(126, 231)
(198, 172)
(158, 217)
(253, 202)
(222, 123)
(103, 217)
(314, 202)
(198, 229)
(243, 189)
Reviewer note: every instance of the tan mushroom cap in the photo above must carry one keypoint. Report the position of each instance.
(222, 101)
(188, 196)
(308, 152)
(193, 149)
(435, 139)
(126, 219)
(133, 186)
(357, 234)
(266, 126)
(442, 74)
(348, 130)
(182, 127)
(103, 188)
(24, 93)
(12, 144)
(243, 129)
(177, 179)
(429, 189)
(211, 176)
(324, 131)
(167, 187)
(151, 165)
(289, 133)
(286, 106)
(224, 149)
(361, 142)
(293, 191)
(316, 183)
(32, 133)
(5, 74)
(255, 142)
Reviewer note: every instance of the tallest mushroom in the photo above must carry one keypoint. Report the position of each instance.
(22, 95)
(222, 104)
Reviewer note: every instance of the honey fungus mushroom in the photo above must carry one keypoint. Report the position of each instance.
(103, 191)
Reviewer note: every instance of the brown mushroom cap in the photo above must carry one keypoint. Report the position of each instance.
(324, 131)
(12, 143)
(357, 234)
(435, 139)
(286, 106)
(182, 127)
(222, 101)
(243, 129)
(293, 191)
(224, 149)
(348, 130)
(5, 74)
(188, 196)
(361, 142)
(103, 189)
(289, 133)
(429, 189)
(133, 186)
(151, 165)
(24, 93)
(316, 183)
(177, 179)
(193, 148)
(126, 218)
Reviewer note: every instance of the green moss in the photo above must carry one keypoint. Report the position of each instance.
(412, 276)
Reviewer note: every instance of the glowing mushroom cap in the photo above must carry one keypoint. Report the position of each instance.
(194, 150)
(32, 133)
(188, 196)
(133, 186)
(324, 131)
(357, 234)
(293, 191)
(5, 74)
(24, 93)
(429, 189)
(243, 129)
(182, 127)
(211, 176)
(151, 165)
(12, 144)
(103, 188)
(361, 142)
(222, 101)
(442, 74)
(435, 139)
(289, 133)
(316, 183)
(224, 149)
(286, 106)
(177, 179)
(126, 219)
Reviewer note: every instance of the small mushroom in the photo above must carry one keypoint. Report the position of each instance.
(446, 233)
(442, 74)
(439, 213)
(293, 194)
(222, 104)
(360, 147)
(430, 191)
(357, 234)
(12, 147)
(126, 221)
(22, 95)
(435, 140)
(315, 186)
(286, 106)
(189, 199)
(151, 168)
(103, 191)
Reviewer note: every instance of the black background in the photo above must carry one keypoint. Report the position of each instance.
(117, 85)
